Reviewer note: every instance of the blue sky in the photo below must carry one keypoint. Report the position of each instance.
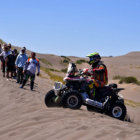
(72, 27)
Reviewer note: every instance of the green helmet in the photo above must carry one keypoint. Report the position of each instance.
(94, 57)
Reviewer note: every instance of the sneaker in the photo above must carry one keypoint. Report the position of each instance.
(14, 77)
(31, 88)
(21, 87)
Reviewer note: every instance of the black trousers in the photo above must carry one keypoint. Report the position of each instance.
(28, 75)
(20, 75)
(3, 66)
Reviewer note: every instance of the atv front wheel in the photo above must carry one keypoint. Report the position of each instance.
(50, 99)
(72, 99)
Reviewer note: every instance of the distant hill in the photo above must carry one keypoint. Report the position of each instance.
(126, 65)
(1, 41)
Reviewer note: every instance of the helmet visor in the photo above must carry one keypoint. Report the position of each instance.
(91, 58)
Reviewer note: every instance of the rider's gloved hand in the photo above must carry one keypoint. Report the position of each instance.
(80, 71)
(90, 82)
(85, 70)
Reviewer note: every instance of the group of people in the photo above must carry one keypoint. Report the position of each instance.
(23, 67)
(18, 65)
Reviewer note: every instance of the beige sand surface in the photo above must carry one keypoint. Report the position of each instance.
(24, 116)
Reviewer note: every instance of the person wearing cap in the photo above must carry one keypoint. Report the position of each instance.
(24, 48)
(98, 72)
(30, 69)
(3, 57)
(20, 62)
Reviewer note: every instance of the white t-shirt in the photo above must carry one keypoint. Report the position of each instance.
(31, 65)
(5, 54)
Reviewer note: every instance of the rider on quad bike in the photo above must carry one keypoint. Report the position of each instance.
(98, 72)
(79, 90)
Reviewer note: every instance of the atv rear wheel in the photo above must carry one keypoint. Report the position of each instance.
(50, 99)
(72, 99)
(118, 111)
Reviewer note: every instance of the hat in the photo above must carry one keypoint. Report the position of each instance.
(9, 44)
(23, 49)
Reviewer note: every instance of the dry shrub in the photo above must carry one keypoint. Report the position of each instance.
(129, 79)
(52, 76)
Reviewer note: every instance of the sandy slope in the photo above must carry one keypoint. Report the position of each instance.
(23, 116)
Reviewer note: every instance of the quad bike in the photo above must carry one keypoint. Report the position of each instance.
(77, 91)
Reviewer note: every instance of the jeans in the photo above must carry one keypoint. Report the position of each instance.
(20, 75)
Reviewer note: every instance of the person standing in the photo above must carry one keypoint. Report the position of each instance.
(10, 63)
(0, 53)
(0, 48)
(20, 62)
(30, 70)
(9, 47)
(15, 53)
(3, 57)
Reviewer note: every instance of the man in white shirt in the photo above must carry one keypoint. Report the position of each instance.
(30, 70)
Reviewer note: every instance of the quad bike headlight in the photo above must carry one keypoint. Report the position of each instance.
(120, 95)
(57, 87)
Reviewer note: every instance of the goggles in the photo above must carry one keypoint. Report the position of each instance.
(91, 58)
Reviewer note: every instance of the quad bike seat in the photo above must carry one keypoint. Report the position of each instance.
(106, 88)
(102, 89)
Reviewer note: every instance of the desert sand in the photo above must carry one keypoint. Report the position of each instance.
(24, 116)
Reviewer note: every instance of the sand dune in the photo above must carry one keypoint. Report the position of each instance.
(24, 116)
(126, 65)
